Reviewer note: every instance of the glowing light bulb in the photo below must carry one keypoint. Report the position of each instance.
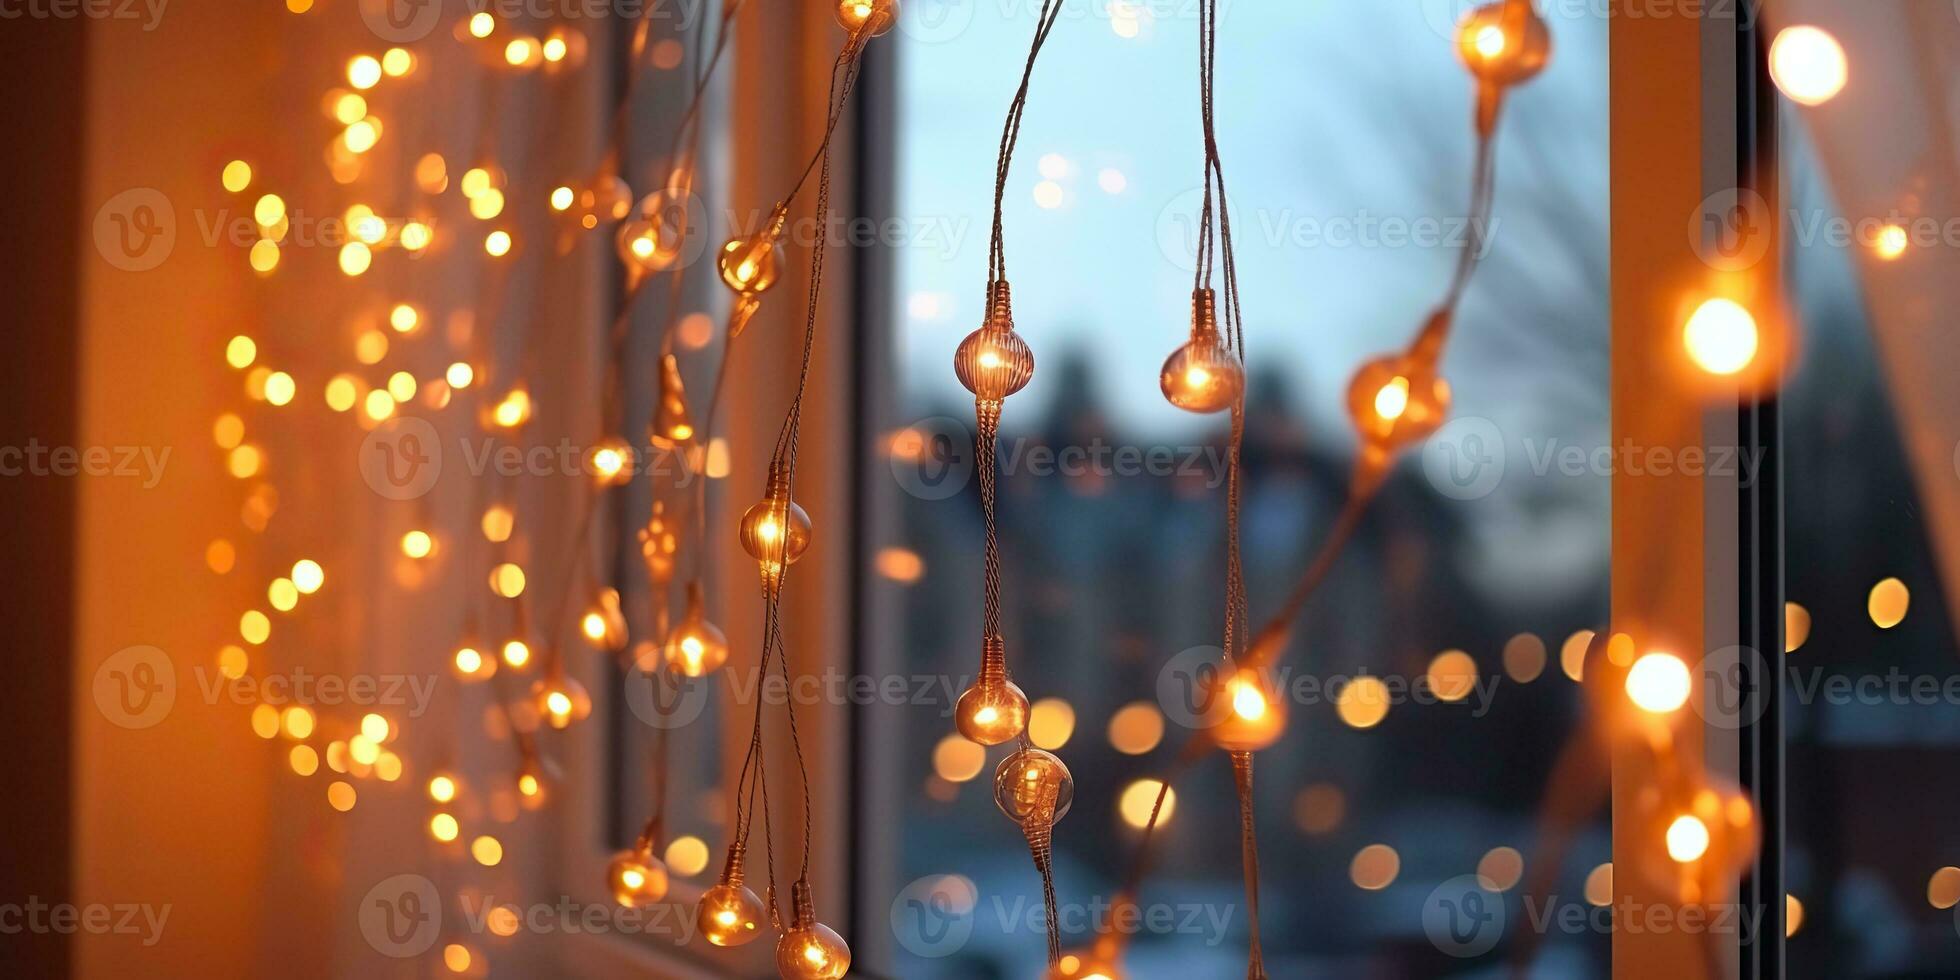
(1203, 376)
(1687, 838)
(673, 424)
(1253, 715)
(993, 710)
(1392, 399)
(1397, 400)
(418, 544)
(1504, 43)
(730, 914)
(511, 411)
(1892, 242)
(810, 950)
(1033, 787)
(696, 647)
(1721, 337)
(638, 242)
(776, 531)
(530, 784)
(751, 264)
(560, 700)
(605, 623)
(471, 664)
(994, 362)
(1808, 64)
(1088, 964)
(636, 878)
(867, 18)
(652, 239)
(610, 462)
(1659, 682)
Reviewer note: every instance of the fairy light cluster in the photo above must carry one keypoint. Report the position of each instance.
(1704, 828)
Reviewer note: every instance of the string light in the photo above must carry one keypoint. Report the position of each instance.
(993, 710)
(560, 700)
(1721, 336)
(730, 914)
(1504, 42)
(1687, 838)
(1808, 64)
(810, 950)
(637, 879)
(673, 424)
(1397, 401)
(751, 264)
(1203, 376)
(696, 647)
(1253, 718)
(776, 531)
(610, 462)
(870, 18)
(1659, 683)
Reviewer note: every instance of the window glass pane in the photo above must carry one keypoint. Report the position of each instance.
(1347, 141)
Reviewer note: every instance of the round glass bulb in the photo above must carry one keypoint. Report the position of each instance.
(751, 264)
(638, 244)
(560, 701)
(994, 362)
(813, 952)
(696, 647)
(1252, 715)
(730, 914)
(1501, 48)
(1032, 784)
(637, 879)
(1397, 400)
(991, 712)
(872, 18)
(775, 532)
(610, 462)
(1203, 376)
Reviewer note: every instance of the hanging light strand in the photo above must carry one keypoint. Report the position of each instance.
(776, 531)
(1524, 37)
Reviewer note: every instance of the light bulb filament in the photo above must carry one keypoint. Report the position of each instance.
(1248, 702)
(1393, 399)
(1491, 41)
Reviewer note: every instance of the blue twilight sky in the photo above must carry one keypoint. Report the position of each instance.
(1335, 118)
